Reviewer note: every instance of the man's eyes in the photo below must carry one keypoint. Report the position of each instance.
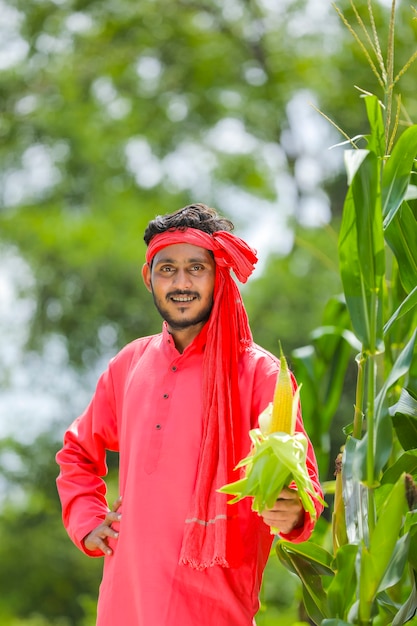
(193, 268)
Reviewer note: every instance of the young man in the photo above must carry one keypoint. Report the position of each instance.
(178, 407)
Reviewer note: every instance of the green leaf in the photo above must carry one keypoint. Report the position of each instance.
(375, 560)
(336, 331)
(401, 236)
(357, 299)
(273, 478)
(396, 173)
(291, 451)
(406, 405)
(406, 463)
(319, 560)
(275, 481)
(366, 189)
(410, 527)
(236, 489)
(397, 564)
(313, 603)
(376, 140)
(253, 475)
(342, 589)
(384, 439)
(400, 368)
(353, 160)
(387, 608)
(276, 460)
(408, 610)
(335, 344)
(361, 252)
(406, 305)
(310, 563)
(411, 193)
(404, 420)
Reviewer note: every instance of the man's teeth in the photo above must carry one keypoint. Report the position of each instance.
(183, 298)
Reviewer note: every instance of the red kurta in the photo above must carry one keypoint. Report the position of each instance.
(147, 406)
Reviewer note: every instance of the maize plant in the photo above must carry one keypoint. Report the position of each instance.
(370, 579)
(278, 455)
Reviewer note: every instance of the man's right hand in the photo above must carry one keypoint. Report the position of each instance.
(97, 539)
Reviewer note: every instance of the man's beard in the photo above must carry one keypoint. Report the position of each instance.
(180, 324)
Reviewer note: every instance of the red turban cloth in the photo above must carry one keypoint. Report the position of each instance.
(211, 534)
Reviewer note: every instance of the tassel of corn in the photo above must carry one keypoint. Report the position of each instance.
(282, 406)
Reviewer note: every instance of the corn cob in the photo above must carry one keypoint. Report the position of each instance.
(281, 414)
(278, 454)
(282, 406)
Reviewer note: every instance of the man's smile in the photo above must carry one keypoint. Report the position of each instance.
(182, 297)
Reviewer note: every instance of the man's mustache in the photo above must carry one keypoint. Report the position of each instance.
(173, 294)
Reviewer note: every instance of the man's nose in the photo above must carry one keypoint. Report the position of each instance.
(182, 279)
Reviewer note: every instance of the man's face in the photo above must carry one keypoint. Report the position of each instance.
(181, 281)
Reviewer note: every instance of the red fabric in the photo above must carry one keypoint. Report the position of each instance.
(148, 406)
(229, 250)
(211, 535)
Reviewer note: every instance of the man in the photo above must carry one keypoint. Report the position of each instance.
(178, 407)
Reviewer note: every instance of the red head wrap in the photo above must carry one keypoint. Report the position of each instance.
(229, 251)
(211, 534)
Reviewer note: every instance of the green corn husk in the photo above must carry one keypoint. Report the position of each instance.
(276, 460)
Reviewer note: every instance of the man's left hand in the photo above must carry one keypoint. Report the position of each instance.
(287, 512)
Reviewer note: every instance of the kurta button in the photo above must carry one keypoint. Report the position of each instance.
(158, 426)
(174, 368)
(166, 395)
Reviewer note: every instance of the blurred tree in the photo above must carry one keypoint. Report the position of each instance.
(39, 576)
(114, 111)
(286, 302)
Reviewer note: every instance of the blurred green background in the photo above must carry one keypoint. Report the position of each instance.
(112, 112)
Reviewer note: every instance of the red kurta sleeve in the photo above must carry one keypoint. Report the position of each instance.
(82, 462)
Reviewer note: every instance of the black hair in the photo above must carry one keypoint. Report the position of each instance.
(197, 216)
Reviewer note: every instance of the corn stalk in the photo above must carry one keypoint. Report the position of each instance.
(374, 562)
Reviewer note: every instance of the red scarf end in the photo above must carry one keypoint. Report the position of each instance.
(200, 566)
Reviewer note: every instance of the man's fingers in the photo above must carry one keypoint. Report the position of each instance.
(111, 517)
(99, 544)
(97, 539)
(117, 503)
(108, 531)
(285, 505)
(286, 513)
(288, 494)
